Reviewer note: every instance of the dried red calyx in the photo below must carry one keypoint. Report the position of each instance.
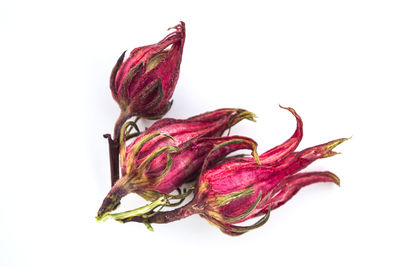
(143, 83)
(239, 189)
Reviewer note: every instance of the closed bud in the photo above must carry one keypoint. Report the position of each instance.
(143, 83)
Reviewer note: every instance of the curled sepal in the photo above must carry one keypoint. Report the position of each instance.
(250, 145)
(122, 95)
(246, 213)
(285, 190)
(114, 73)
(234, 230)
(225, 199)
(138, 146)
(131, 125)
(126, 135)
(148, 160)
(181, 196)
(238, 230)
(281, 151)
(241, 116)
(141, 177)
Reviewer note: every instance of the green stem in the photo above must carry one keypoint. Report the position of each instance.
(139, 211)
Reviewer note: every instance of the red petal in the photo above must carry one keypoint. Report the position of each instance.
(297, 161)
(281, 151)
(292, 184)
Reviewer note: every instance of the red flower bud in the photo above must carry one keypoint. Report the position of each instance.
(144, 83)
(238, 189)
(170, 153)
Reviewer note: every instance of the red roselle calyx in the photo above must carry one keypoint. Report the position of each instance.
(239, 189)
(144, 83)
(170, 153)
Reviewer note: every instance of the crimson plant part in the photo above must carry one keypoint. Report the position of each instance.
(170, 153)
(254, 190)
(238, 189)
(143, 84)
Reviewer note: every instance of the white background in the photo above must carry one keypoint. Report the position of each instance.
(336, 62)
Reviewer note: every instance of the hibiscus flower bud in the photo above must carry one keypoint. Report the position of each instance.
(241, 188)
(143, 84)
(170, 153)
(254, 190)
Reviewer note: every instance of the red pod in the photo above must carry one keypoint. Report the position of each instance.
(143, 84)
(239, 189)
(234, 192)
(171, 152)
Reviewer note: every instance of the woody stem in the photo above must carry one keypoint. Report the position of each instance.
(113, 147)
